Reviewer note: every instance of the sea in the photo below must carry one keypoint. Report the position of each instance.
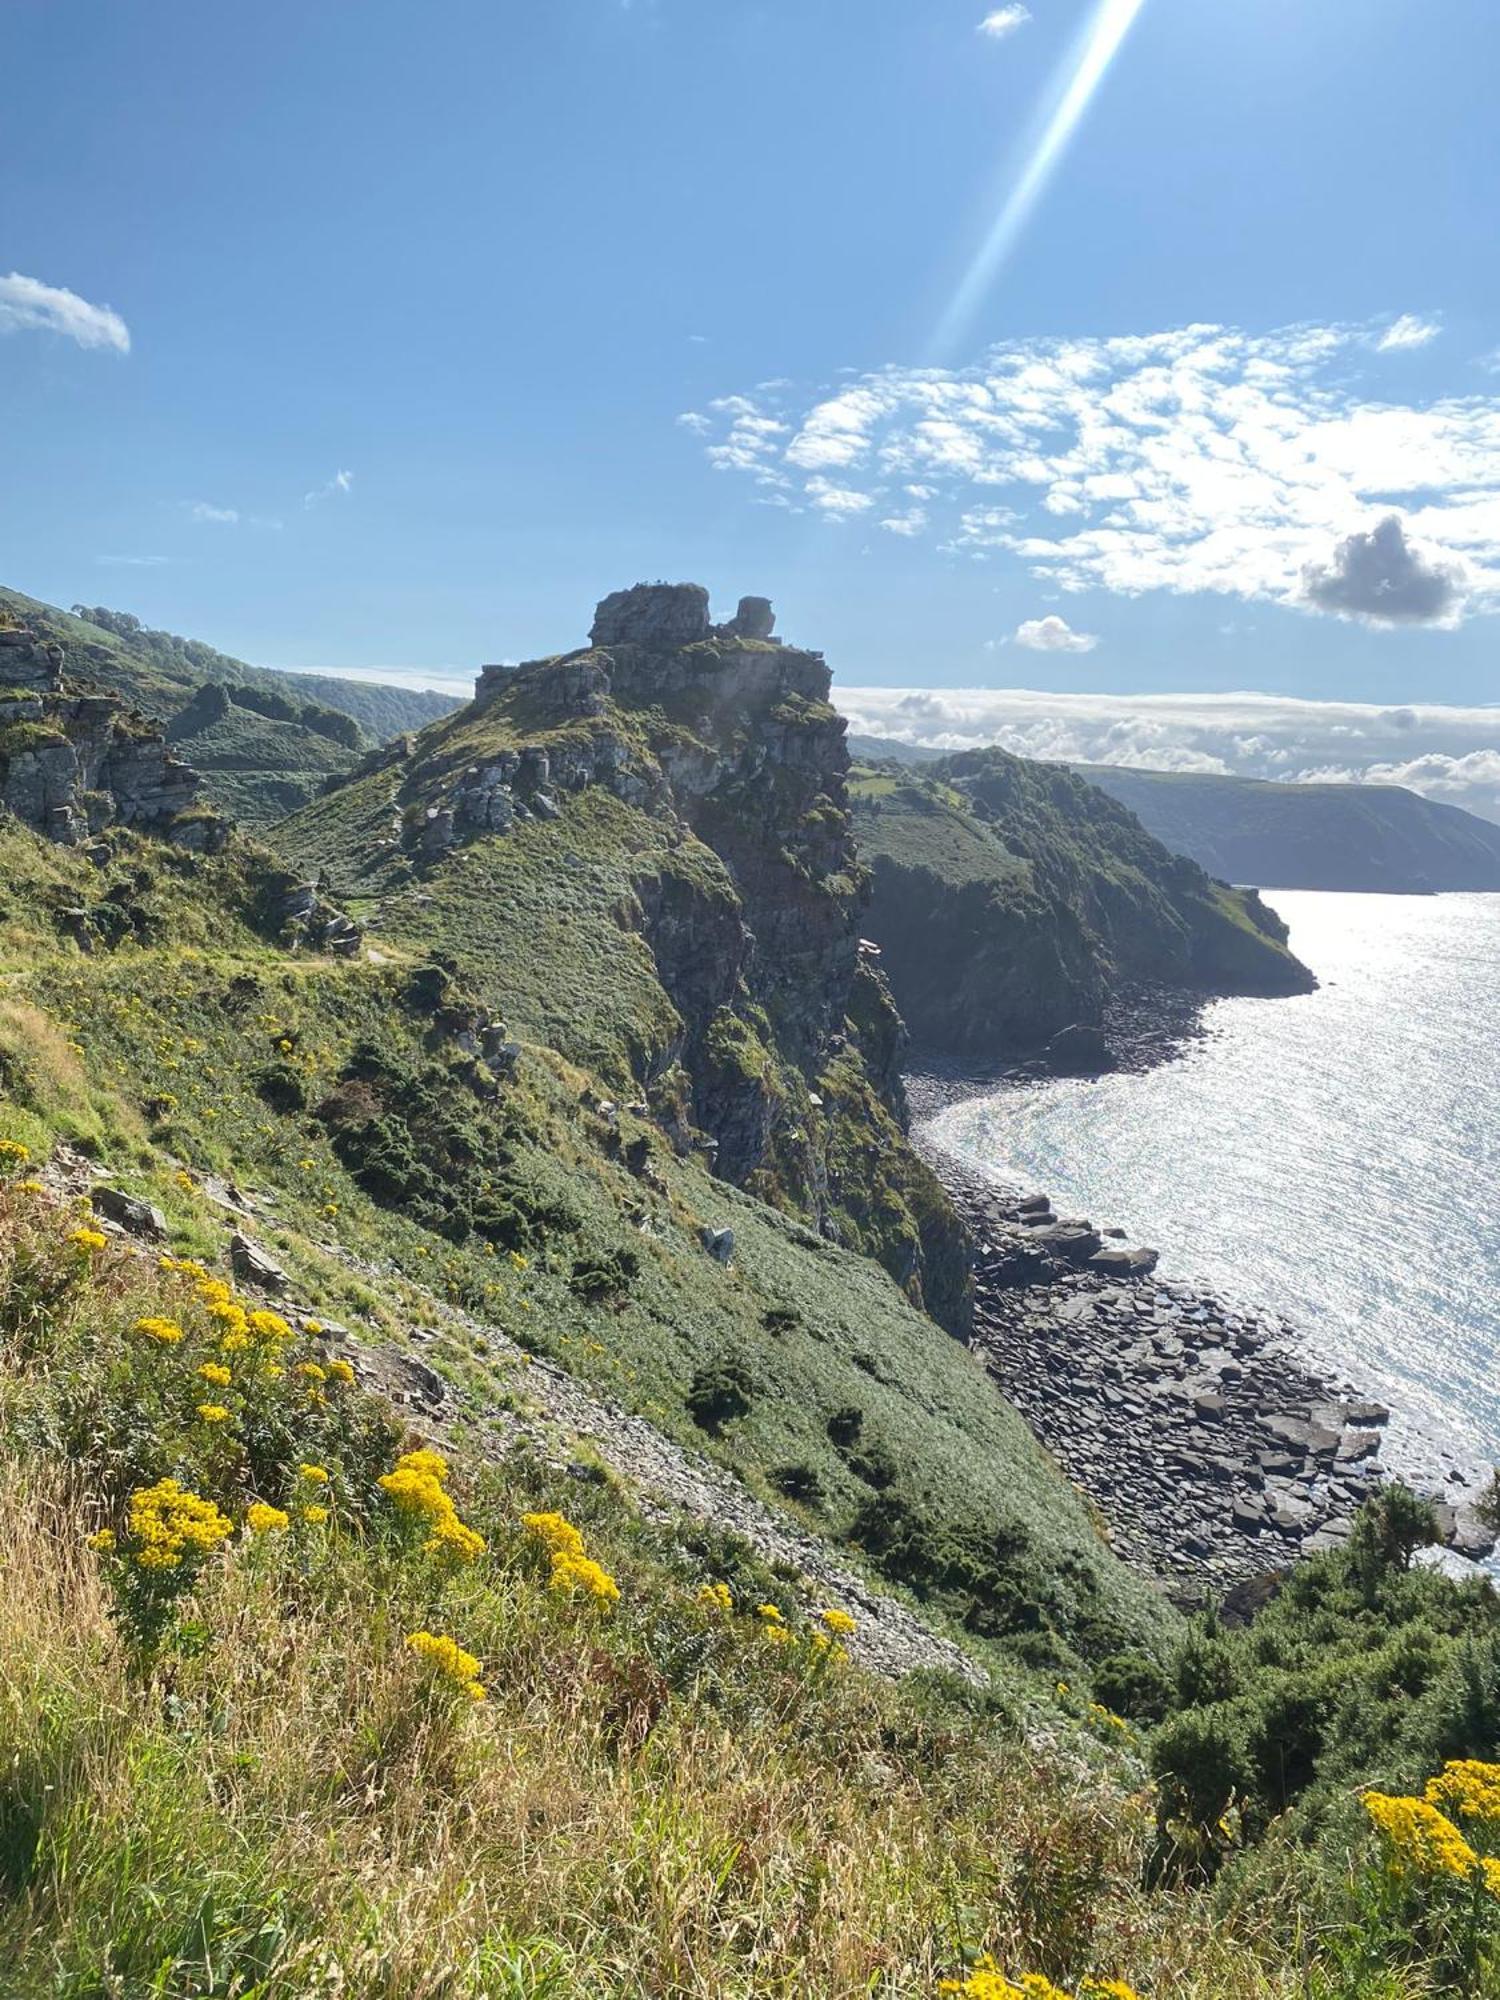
(1334, 1158)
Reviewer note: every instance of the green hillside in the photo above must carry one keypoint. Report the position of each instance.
(1011, 899)
(1360, 837)
(264, 751)
(484, 1512)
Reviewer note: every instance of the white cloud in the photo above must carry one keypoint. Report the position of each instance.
(836, 500)
(910, 523)
(1004, 21)
(227, 517)
(135, 562)
(1053, 635)
(1452, 754)
(341, 482)
(1407, 331)
(27, 305)
(1203, 459)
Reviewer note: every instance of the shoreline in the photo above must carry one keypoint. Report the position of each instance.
(1215, 1450)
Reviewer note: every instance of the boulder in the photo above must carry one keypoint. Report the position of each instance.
(754, 619)
(1116, 1263)
(251, 1265)
(719, 1243)
(658, 616)
(141, 1218)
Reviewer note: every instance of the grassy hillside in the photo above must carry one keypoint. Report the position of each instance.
(1368, 837)
(188, 1051)
(265, 751)
(1011, 899)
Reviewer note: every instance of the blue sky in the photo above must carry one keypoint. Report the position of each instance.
(417, 299)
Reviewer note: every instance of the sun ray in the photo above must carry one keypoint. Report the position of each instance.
(1080, 76)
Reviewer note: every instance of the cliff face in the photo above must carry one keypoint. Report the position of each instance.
(645, 845)
(73, 764)
(1011, 900)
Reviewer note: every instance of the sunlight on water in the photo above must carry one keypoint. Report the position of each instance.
(1335, 1158)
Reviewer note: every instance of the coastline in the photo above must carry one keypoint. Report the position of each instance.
(1212, 1447)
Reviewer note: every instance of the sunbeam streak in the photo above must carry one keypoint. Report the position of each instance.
(1073, 91)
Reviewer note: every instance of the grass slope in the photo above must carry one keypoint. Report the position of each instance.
(1353, 837)
(195, 1051)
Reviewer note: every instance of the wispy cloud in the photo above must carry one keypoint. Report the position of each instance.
(1004, 21)
(1054, 635)
(1452, 754)
(1260, 466)
(227, 517)
(27, 305)
(134, 562)
(1408, 331)
(341, 482)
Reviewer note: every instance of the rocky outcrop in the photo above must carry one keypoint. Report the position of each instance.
(73, 764)
(659, 616)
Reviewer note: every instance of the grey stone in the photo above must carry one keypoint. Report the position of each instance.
(719, 1243)
(657, 616)
(252, 1266)
(141, 1218)
(754, 619)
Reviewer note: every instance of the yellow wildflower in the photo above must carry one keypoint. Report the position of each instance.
(1467, 1787)
(1418, 1836)
(312, 1326)
(573, 1572)
(263, 1519)
(216, 1373)
(988, 1982)
(90, 1241)
(166, 1331)
(450, 1661)
(554, 1532)
(13, 1154)
(235, 1342)
(269, 1326)
(103, 1541)
(715, 1597)
(416, 1486)
(310, 1371)
(838, 1621)
(30, 1187)
(316, 1475)
(340, 1371)
(770, 1612)
(166, 1524)
(213, 1413)
(315, 1516)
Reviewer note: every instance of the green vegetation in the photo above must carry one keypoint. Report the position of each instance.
(1012, 899)
(265, 742)
(1376, 837)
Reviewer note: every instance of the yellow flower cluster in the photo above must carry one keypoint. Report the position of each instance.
(573, 1571)
(988, 1982)
(261, 1518)
(213, 1413)
(715, 1597)
(1419, 1837)
(90, 1241)
(449, 1660)
(1105, 1718)
(774, 1626)
(838, 1622)
(216, 1373)
(418, 1488)
(164, 1331)
(13, 1154)
(167, 1525)
(1469, 1788)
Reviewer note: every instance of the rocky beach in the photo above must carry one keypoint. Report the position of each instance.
(1211, 1447)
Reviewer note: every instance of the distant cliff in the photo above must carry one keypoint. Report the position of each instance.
(1370, 837)
(1012, 899)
